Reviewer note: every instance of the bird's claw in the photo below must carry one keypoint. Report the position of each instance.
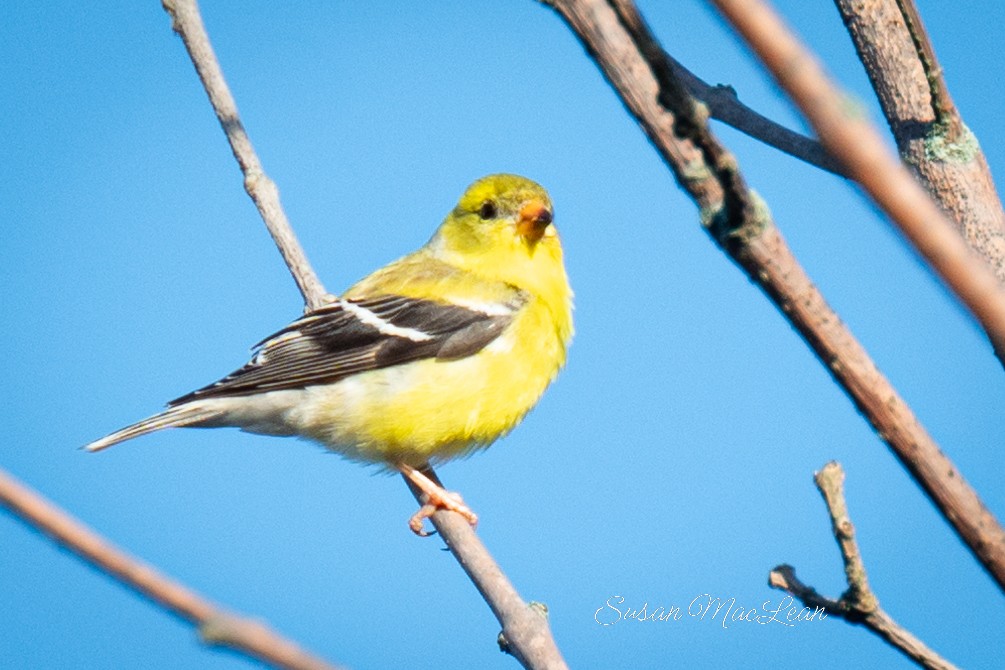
(433, 502)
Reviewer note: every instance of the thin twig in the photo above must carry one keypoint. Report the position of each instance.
(857, 605)
(216, 626)
(749, 236)
(830, 483)
(187, 22)
(933, 142)
(724, 105)
(722, 102)
(528, 637)
(853, 140)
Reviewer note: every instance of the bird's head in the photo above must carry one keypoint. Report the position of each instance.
(503, 215)
(502, 230)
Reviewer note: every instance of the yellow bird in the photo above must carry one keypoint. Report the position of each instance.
(436, 354)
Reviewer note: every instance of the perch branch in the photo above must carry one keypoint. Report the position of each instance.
(616, 36)
(187, 22)
(525, 632)
(216, 626)
(527, 638)
(858, 604)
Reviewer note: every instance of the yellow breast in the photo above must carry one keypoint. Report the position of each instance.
(433, 409)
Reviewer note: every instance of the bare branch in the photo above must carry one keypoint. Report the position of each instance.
(527, 635)
(740, 223)
(931, 137)
(849, 136)
(216, 626)
(858, 605)
(525, 631)
(783, 577)
(187, 22)
(857, 144)
(830, 483)
(942, 102)
(724, 105)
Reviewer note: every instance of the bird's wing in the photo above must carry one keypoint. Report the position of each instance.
(353, 336)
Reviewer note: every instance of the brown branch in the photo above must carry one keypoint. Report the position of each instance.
(830, 483)
(187, 22)
(216, 626)
(942, 103)
(931, 137)
(857, 605)
(527, 635)
(525, 632)
(849, 136)
(724, 105)
(610, 30)
(858, 145)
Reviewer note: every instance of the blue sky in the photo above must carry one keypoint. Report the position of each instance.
(672, 458)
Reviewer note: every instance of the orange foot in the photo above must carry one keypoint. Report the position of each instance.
(436, 498)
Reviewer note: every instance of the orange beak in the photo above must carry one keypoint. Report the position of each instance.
(534, 218)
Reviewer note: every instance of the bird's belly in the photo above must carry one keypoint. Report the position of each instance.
(429, 409)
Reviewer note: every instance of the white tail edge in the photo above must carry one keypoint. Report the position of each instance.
(189, 414)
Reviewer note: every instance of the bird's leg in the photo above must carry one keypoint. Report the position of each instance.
(435, 497)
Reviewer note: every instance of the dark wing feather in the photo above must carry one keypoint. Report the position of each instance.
(339, 340)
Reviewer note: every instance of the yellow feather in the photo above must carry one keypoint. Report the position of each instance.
(435, 409)
(496, 251)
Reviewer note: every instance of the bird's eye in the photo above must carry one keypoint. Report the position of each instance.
(488, 210)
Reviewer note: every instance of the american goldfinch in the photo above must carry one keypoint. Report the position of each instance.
(439, 353)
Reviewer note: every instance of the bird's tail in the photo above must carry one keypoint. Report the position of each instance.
(187, 414)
